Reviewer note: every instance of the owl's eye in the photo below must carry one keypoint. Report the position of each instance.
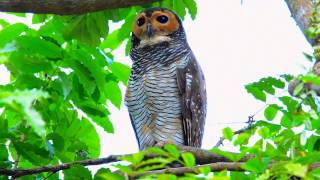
(141, 21)
(162, 19)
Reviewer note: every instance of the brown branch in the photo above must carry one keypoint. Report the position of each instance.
(89, 162)
(205, 157)
(65, 7)
(202, 156)
(229, 166)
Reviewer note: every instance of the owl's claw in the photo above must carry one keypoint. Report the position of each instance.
(162, 143)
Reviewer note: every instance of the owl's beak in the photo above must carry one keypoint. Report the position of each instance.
(149, 30)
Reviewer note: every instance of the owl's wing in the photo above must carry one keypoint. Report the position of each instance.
(191, 84)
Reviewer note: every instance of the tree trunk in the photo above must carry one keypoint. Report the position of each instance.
(301, 11)
(65, 7)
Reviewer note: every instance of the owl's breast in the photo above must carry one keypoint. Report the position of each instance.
(154, 103)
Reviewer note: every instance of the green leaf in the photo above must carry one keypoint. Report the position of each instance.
(39, 18)
(134, 159)
(120, 70)
(24, 63)
(4, 23)
(309, 57)
(116, 38)
(25, 100)
(106, 174)
(291, 104)
(275, 82)
(79, 135)
(77, 172)
(311, 78)
(17, 14)
(96, 71)
(112, 42)
(172, 150)
(104, 122)
(39, 46)
(192, 8)
(66, 81)
(229, 155)
(242, 139)
(4, 156)
(228, 133)
(11, 32)
(271, 112)
(264, 132)
(315, 173)
(205, 170)
(114, 93)
(188, 159)
(298, 89)
(257, 93)
(297, 169)
(256, 165)
(178, 7)
(83, 74)
(286, 120)
(88, 28)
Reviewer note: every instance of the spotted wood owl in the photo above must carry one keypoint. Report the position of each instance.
(166, 93)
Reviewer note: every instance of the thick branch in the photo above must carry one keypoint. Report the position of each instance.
(65, 7)
(229, 166)
(202, 156)
(301, 11)
(205, 157)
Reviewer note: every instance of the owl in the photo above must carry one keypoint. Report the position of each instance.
(166, 93)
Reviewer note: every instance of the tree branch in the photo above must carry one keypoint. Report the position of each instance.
(229, 166)
(205, 157)
(89, 162)
(220, 166)
(65, 7)
(301, 11)
(202, 156)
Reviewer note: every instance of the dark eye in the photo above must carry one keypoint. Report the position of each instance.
(141, 21)
(162, 19)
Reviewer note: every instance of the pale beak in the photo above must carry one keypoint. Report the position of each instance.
(149, 30)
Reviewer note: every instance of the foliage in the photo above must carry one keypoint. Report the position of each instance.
(62, 74)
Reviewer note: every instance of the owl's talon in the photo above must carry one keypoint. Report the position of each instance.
(160, 144)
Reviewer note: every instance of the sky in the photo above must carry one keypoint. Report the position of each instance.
(235, 44)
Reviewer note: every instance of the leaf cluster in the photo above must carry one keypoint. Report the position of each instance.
(63, 73)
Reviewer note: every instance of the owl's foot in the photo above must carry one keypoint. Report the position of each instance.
(162, 143)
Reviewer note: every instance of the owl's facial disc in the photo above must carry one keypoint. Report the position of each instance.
(155, 27)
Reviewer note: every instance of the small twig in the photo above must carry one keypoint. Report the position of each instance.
(248, 127)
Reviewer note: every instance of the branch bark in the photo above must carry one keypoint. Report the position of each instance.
(202, 156)
(65, 7)
(301, 11)
(229, 166)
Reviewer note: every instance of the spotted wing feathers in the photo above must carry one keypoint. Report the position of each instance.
(191, 84)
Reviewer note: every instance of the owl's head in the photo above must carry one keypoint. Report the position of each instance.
(156, 25)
